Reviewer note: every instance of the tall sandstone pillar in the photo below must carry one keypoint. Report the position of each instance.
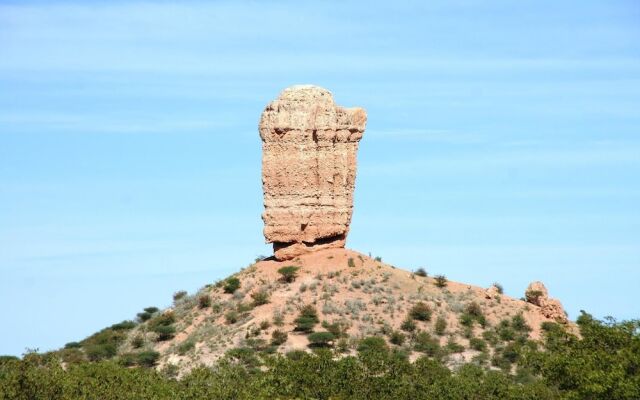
(309, 147)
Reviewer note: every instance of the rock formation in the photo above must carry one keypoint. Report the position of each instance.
(538, 295)
(309, 147)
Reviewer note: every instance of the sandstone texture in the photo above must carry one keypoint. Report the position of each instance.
(309, 147)
(538, 295)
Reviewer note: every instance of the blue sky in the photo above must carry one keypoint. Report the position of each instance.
(503, 144)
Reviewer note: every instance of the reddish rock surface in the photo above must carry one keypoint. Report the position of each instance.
(309, 147)
(538, 295)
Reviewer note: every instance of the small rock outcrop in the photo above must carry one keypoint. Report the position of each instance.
(538, 295)
(492, 292)
(309, 147)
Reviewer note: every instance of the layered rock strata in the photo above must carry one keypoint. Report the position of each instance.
(309, 147)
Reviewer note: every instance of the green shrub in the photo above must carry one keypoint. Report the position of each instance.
(288, 273)
(147, 358)
(532, 296)
(137, 342)
(338, 328)
(123, 326)
(179, 295)
(186, 346)
(421, 272)
(397, 338)
(478, 344)
(305, 324)
(441, 281)
(321, 339)
(72, 345)
(351, 263)
(144, 316)
(473, 313)
(474, 309)
(307, 319)
(151, 310)
(231, 285)
(162, 325)
(454, 347)
(231, 317)
(103, 351)
(260, 297)
(424, 343)
(374, 344)
(165, 332)
(278, 337)
(204, 301)
(408, 325)
(420, 311)
(466, 319)
(519, 324)
(441, 325)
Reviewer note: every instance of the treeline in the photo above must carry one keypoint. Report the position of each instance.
(603, 364)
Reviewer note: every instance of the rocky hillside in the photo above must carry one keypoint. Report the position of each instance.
(330, 298)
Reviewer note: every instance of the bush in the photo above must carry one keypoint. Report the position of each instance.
(186, 346)
(441, 326)
(474, 309)
(532, 296)
(373, 344)
(165, 332)
(505, 332)
(289, 273)
(260, 297)
(424, 343)
(351, 263)
(151, 310)
(231, 285)
(147, 358)
(204, 301)
(498, 287)
(397, 338)
(338, 328)
(421, 272)
(321, 339)
(143, 316)
(179, 295)
(162, 325)
(123, 326)
(420, 311)
(137, 342)
(72, 345)
(441, 281)
(454, 346)
(307, 319)
(408, 325)
(231, 317)
(478, 344)
(519, 324)
(473, 313)
(103, 351)
(278, 337)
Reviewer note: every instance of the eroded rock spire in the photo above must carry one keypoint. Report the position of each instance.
(309, 147)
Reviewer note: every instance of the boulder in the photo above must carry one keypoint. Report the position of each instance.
(538, 295)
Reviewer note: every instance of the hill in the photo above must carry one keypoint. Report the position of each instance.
(331, 298)
(336, 324)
